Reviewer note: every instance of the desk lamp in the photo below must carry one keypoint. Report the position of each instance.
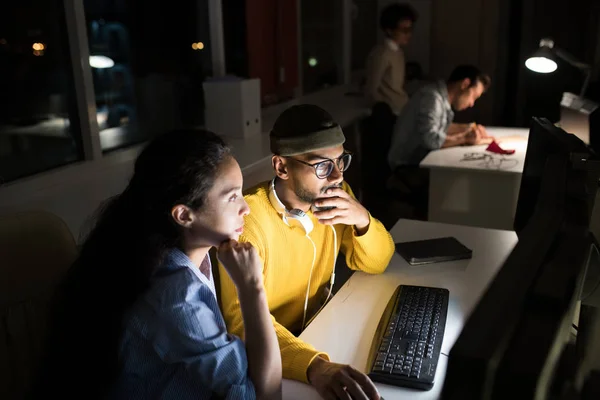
(542, 61)
(101, 62)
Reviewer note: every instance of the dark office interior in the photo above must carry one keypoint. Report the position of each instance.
(86, 85)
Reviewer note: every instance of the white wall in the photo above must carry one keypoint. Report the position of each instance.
(75, 192)
(72, 192)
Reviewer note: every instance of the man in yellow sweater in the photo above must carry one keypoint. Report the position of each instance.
(299, 222)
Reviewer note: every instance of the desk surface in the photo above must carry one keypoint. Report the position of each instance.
(345, 327)
(509, 138)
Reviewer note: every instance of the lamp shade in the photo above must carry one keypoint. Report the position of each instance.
(542, 60)
(101, 62)
(542, 65)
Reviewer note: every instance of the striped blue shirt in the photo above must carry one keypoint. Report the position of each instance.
(176, 344)
(421, 126)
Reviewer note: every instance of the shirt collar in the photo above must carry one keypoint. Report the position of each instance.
(177, 259)
(391, 44)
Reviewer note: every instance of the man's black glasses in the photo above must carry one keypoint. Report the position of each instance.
(324, 168)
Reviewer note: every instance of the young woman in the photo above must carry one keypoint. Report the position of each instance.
(137, 316)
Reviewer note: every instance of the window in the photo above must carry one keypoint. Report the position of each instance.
(148, 64)
(322, 32)
(38, 119)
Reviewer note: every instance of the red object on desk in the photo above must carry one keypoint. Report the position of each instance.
(494, 147)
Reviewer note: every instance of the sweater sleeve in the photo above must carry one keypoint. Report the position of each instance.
(370, 252)
(296, 355)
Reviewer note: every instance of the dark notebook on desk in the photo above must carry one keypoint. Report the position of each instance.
(433, 250)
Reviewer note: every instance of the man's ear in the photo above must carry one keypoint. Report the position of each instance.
(182, 215)
(280, 166)
(465, 84)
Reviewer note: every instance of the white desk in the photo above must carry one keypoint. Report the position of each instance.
(345, 327)
(477, 193)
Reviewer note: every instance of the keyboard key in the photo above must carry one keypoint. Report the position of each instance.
(400, 372)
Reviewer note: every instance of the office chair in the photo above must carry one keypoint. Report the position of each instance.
(36, 249)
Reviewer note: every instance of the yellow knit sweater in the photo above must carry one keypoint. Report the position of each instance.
(287, 256)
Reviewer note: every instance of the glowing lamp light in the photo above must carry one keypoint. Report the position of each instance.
(101, 62)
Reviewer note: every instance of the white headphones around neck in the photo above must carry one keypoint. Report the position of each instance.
(293, 217)
(296, 217)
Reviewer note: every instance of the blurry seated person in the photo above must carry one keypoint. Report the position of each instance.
(426, 124)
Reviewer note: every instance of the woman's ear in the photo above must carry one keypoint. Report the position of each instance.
(182, 215)
(280, 166)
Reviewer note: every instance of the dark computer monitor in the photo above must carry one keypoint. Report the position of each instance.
(581, 117)
(545, 139)
(510, 343)
(543, 359)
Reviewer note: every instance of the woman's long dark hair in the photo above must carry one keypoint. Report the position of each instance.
(132, 234)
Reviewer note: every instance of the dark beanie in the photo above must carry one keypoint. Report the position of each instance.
(304, 128)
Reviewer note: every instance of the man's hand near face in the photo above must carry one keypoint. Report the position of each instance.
(347, 211)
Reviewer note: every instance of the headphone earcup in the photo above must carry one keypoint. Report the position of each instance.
(292, 217)
(300, 218)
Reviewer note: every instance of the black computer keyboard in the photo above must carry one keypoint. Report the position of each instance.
(408, 340)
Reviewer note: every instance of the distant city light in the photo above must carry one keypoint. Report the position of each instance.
(38, 46)
(312, 62)
(198, 46)
(3, 41)
(101, 62)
